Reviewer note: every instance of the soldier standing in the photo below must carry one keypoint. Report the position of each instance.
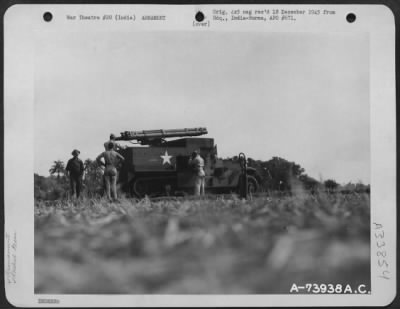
(111, 161)
(74, 171)
(112, 140)
(197, 163)
(116, 148)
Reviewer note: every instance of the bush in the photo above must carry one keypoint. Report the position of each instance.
(50, 188)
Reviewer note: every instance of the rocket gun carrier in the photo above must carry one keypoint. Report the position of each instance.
(158, 166)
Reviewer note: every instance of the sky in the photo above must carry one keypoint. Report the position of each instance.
(303, 97)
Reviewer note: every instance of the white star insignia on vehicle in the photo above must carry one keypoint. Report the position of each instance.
(166, 158)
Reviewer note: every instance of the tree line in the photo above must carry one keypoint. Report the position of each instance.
(278, 174)
(57, 186)
(275, 175)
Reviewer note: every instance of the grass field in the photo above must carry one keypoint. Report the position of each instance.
(215, 245)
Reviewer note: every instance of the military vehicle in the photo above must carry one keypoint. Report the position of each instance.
(158, 166)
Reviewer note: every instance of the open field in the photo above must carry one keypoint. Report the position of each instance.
(215, 245)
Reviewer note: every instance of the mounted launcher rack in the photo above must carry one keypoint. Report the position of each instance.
(157, 137)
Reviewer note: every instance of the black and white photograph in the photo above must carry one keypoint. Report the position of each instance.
(188, 162)
(297, 107)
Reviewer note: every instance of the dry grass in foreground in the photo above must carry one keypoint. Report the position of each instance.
(217, 245)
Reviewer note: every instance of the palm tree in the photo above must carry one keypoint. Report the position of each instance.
(57, 168)
(93, 177)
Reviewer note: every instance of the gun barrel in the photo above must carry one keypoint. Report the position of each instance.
(160, 134)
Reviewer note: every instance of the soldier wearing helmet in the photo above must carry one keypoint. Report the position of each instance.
(74, 171)
(197, 164)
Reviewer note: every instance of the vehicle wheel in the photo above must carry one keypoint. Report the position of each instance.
(139, 187)
(252, 185)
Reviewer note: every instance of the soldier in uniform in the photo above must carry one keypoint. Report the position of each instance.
(74, 171)
(197, 164)
(111, 161)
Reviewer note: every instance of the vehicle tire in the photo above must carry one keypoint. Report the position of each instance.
(139, 187)
(252, 185)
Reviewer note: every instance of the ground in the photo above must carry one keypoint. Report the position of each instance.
(214, 245)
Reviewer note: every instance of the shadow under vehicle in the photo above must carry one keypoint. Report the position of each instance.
(157, 166)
